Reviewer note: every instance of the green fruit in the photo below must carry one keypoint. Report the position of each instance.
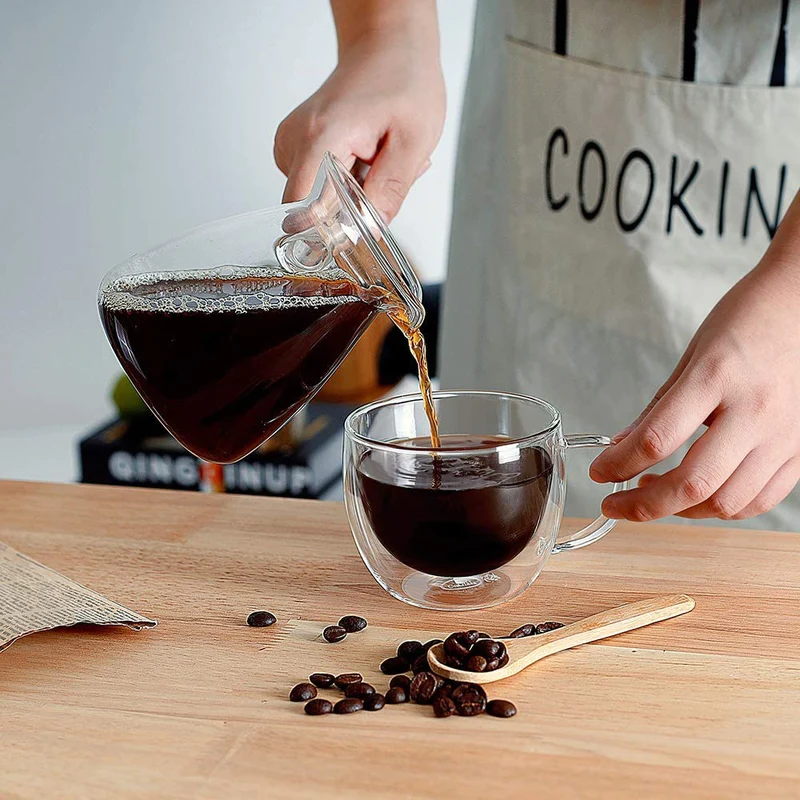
(127, 399)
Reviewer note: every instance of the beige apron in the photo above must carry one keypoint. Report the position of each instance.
(599, 215)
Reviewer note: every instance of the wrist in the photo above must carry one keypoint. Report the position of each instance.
(379, 24)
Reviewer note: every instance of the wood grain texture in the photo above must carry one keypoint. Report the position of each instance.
(701, 706)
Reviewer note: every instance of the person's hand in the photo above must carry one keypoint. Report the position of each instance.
(740, 376)
(384, 104)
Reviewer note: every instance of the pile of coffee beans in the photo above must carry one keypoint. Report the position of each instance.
(447, 698)
(358, 694)
(347, 624)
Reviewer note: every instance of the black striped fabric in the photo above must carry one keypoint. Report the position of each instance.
(691, 16)
(560, 28)
(779, 63)
(714, 38)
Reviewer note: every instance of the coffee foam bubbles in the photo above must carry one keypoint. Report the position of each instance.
(242, 289)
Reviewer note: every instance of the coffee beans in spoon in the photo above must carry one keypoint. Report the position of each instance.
(467, 650)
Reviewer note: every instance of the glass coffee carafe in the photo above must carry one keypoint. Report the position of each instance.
(231, 329)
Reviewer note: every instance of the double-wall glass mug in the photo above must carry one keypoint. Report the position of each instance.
(472, 523)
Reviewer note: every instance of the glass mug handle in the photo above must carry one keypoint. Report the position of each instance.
(602, 525)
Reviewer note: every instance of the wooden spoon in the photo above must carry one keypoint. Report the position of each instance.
(524, 652)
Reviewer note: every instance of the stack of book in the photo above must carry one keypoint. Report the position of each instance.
(139, 452)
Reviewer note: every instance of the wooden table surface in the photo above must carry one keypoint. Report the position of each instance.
(703, 706)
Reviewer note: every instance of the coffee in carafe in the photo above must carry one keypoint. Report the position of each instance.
(225, 360)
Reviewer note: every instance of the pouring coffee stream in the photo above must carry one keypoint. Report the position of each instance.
(416, 343)
(399, 313)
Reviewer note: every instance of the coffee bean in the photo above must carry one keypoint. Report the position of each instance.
(545, 627)
(503, 660)
(261, 619)
(348, 705)
(394, 666)
(319, 706)
(352, 623)
(303, 692)
(501, 650)
(488, 648)
(397, 694)
(432, 643)
(359, 689)
(462, 688)
(400, 680)
(446, 689)
(424, 687)
(374, 702)
(476, 664)
(470, 637)
(322, 680)
(469, 703)
(501, 708)
(410, 650)
(346, 678)
(454, 645)
(528, 629)
(492, 664)
(334, 633)
(420, 665)
(443, 706)
(454, 661)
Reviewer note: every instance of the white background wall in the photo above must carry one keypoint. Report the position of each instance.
(124, 123)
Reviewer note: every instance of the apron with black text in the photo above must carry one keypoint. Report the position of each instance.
(606, 199)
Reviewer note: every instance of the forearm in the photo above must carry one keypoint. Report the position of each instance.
(360, 20)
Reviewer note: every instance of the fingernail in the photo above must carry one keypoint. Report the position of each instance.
(609, 510)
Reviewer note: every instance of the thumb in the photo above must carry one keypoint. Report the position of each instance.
(302, 174)
(393, 171)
